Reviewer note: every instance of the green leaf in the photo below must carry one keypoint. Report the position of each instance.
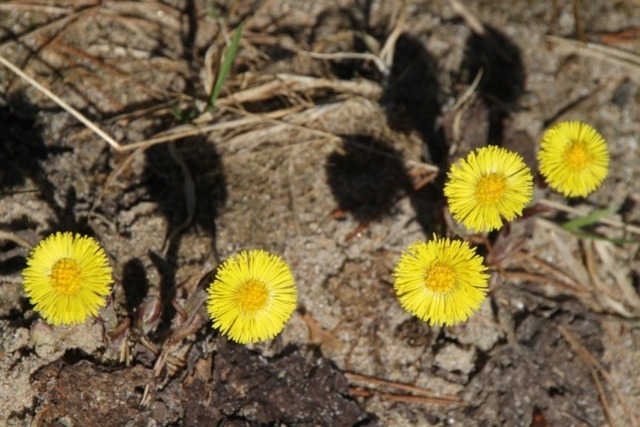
(227, 62)
(593, 236)
(590, 219)
(575, 226)
(184, 116)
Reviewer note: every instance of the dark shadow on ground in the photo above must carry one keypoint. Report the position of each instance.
(21, 150)
(428, 202)
(366, 178)
(165, 184)
(22, 153)
(411, 96)
(503, 76)
(22, 147)
(411, 100)
(135, 285)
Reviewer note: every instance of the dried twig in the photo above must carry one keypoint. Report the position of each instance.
(423, 395)
(189, 196)
(631, 35)
(568, 281)
(508, 276)
(407, 398)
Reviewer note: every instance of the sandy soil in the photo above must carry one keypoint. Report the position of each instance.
(328, 146)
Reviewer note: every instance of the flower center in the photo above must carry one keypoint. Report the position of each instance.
(252, 296)
(66, 276)
(440, 278)
(490, 188)
(577, 156)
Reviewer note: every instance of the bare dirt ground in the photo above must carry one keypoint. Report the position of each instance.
(328, 146)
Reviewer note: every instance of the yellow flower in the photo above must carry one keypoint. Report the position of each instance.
(490, 184)
(252, 296)
(67, 278)
(441, 281)
(574, 158)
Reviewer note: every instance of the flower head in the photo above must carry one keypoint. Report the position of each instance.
(574, 158)
(441, 281)
(252, 296)
(490, 184)
(67, 278)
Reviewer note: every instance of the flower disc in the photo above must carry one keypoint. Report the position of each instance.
(489, 185)
(67, 278)
(441, 281)
(573, 158)
(252, 296)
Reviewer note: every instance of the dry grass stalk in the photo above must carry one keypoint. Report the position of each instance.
(460, 107)
(282, 83)
(12, 237)
(585, 277)
(381, 66)
(596, 368)
(388, 49)
(620, 57)
(605, 251)
(418, 394)
(469, 18)
(602, 292)
(75, 113)
(406, 398)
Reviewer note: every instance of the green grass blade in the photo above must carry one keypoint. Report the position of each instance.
(590, 219)
(593, 236)
(227, 62)
(575, 226)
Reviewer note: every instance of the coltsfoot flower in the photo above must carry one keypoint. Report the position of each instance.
(67, 278)
(490, 184)
(442, 281)
(252, 296)
(574, 158)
